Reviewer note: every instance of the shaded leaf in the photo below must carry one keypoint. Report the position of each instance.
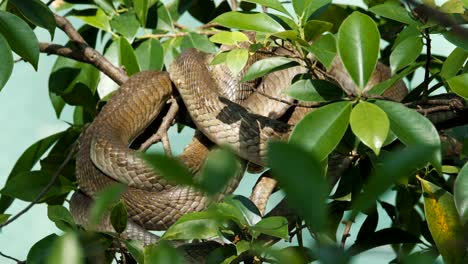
(370, 124)
(305, 8)
(239, 209)
(136, 249)
(315, 28)
(4, 218)
(314, 90)
(405, 53)
(20, 37)
(358, 46)
(198, 225)
(276, 226)
(382, 237)
(321, 130)
(268, 65)
(249, 21)
(61, 217)
(458, 84)
(324, 49)
(104, 200)
(170, 168)
(460, 192)
(127, 57)
(198, 41)
(125, 24)
(220, 167)
(162, 252)
(6, 67)
(40, 251)
(456, 39)
(66, 249)
(150, 55)
(37, 13)
(301, 176)
(119, 217)
(444, 223)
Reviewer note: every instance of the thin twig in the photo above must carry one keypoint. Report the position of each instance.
(426, 81)
(346, 232)
(46, 189)
(12, 258)
(177, 35)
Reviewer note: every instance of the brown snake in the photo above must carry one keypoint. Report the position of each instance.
(104, 155)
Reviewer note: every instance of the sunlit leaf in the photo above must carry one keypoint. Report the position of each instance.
(240, 210)
(198, 41)
(321, 130)
(370, 124)
(276, 226)
(249, 21)
(66, 249)
(394, 11)
(275, 4)
(453, 63)
(324, 49)
(136, 249)
(444, 222)
(93, 17)
(358, 46)
(229, 38)
(268, 65)
(458, 84)
(141, 10)
(452, 7)
(460, 192)
(236, 60)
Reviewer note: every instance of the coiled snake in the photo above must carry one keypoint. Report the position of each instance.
(244, 121)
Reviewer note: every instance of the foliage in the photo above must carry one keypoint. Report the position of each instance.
(392, 147)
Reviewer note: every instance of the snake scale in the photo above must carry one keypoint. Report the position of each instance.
(244, 120)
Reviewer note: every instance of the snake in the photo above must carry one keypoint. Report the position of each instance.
(225, 111)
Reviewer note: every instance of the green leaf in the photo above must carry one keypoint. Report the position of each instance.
(394, 11)
(150, 55)
(275, 4)
(61, 217)
(402, 164)
(170, 168)
(127, 57)
(29, 184)
(460, 192)
(220, 166)
(198, 41)
(268, 65)
(239, 209)
(20, 37)
(249, 21)
(125, 24)
(26, 162)
(37, 13)
(413, 129)
(66, 249)
(444, 223)
(136, 249)
(453, 63)
(452, 7)
(456, 39)
(119, 217)
(321, 130)
(370, 124)
(405, 53)
(162, 252)
(104, 200)
(236, 60)
(198, 225)
(40, 251)
(93, 17)
(315, 28)
(219, 58)
(314, 90)
(141, 9)
(324, 49)
(229, 38)
(4, 218)
(6, 67)
(358, 46)
(305, 8)
(276, 226)
(458, 84)
(302, 178)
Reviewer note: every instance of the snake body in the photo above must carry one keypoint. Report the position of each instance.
(239, 120)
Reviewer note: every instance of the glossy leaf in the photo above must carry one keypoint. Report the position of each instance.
(170, 168)
(236, 60)
(460, 192)
(119, 217)
(321, 130)
(275, 4)
(302, 177)
(26, 162)
(106, 5)
(66, 249)
(402, 164)
(93, 17)
(61, 217)
(220, 167)
(6, 67)
(141, 10)
(276, 226)
(125, 24)
(229, 38)
(305, 8)
(409, 31)
(269, 65)
(458, 84)
(444, 223)
(358, 46)
(314, 90)
(127, 57)
(103, 202)
(324, 49)
(162, 252)
(370, 124)
(37, 13)
(249, 21)
(136, 249)
(453, 63)
(315, 28)
(413, 129)
(199, 225)
(40, 251)
(394, 11)
(150, 55)
(20, 37)
(405, 53)
(240, 210)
